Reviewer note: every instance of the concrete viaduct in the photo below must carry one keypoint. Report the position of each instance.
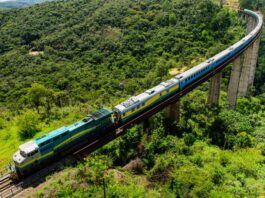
(241, 79)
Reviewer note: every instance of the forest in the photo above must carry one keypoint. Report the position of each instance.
(64, 59)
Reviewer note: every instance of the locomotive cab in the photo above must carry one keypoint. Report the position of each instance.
(27, 152)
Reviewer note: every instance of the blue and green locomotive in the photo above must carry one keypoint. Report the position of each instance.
(36, 153)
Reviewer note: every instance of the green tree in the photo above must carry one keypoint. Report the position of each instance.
(28, 124)
(39, 95)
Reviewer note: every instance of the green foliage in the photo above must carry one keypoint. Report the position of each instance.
(38, 96)
(94, 169)
(226, 130)
(97, 51)
(28, 124)
(243, 140)
(123, 150)
(252, 4)
(2, 123)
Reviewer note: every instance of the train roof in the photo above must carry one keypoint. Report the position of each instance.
(51, 135)
(141, 98)
(28, 147)
(100, 114)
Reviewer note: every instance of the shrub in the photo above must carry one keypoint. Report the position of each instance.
(243, 140)
(189, 139)
(28, 124)
(2, 123)
(263, 150)
(218, 177)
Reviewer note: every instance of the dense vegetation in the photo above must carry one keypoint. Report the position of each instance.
(61, 60)
(103, 49)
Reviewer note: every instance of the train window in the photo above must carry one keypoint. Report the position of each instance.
(56, 138)
(64, 134)
(42, 144)
(32, 153)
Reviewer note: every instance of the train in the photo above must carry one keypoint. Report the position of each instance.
(37, 153)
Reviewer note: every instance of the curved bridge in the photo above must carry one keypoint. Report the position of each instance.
(242, 77)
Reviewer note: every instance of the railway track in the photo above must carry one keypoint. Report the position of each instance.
(5, 182)
(8, 188)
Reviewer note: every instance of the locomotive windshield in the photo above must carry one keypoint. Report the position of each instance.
(23, 154)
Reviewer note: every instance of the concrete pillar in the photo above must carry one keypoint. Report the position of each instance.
(214, 90)
(173, 111)
(244, 78)
(234, 83)
(254, 60)
(251, 24)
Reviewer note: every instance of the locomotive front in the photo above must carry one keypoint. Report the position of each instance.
(25, 156)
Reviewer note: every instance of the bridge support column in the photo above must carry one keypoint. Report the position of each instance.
(234, 83)
(173, 111)
(254, 59)
(214, 91)
(248, 63)
(251, 24)
(245, 73)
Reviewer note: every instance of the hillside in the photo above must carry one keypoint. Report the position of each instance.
(60, 60)
(92, 43)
